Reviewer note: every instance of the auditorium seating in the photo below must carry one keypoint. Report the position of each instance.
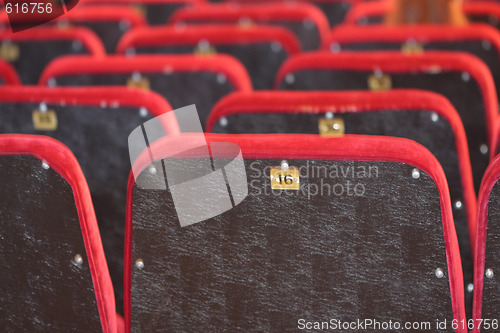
(181, 79)
(263, 264)
(486, 296)
(156, 12)
(31, 50)
(480, 40)
(262, 49)
(95, 124)
(306, 21)
(53, 270)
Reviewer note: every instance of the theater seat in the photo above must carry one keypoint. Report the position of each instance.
(424, 117)
(278, 256)
(181, 79)
(261, 49)
(306, 21)
(486, 270)
(31, 50)
(53, 271)
(8, 74)
(156, 12)
(460, 77)
(480, 40)
(95, 124)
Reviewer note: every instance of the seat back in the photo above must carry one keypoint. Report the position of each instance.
(181, 79)
(424, 117)
(53, 271)
(306, 21)
(282, 255)
(156, 12)
(334, 10)
(486, 296)
(94, 123)
(463, 79)
(31, 50)
(261, 49)
(480, 40)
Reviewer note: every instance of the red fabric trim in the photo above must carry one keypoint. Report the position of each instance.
(380, 8)
(491, 176)
(9, 74)
(87, 37)
(219, 63)
(348, 34)
(154, 103)
(496, 139)
(62, 160)
(261, 13)
(349, 147)
(213, 33)
(311, 1)
(397, 62)
(355, 102)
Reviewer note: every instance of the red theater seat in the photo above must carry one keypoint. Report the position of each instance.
(262, 49)
(306, 21)
(53, 271)
(95, 124)
(486, 270)
(31, 50)
(274, 257)
(181, 79)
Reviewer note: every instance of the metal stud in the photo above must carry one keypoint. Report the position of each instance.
(458, 204)
(152, 170)
(308, 24)
(139, 263)
(335, 48)
(221, 79)
(223, 122)
(489, 273)
(434, 117)
(284, 165)
(290, 79)
(470, 287)
(78, 260)
(486, 44)
(143, 112)
(43, 107)
(276, 47)
(45, 165)
(329, 115)
(439, 273)
(483, 149)
(77, 45)
(465, 77)
(415, 174)
(52, 82)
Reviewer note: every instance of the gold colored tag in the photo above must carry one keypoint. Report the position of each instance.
(141, 83)
(205, 50)
(412, 48)
(285, 180)
(379, 82)
(44, 121)
(245, 23)
(331, 127)
(9, 52)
